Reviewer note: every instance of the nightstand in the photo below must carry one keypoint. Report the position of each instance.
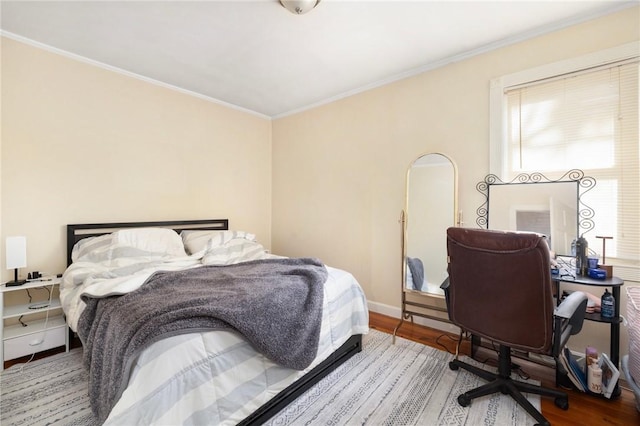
(40, 333)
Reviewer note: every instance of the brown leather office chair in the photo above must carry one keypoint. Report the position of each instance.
(500, 289)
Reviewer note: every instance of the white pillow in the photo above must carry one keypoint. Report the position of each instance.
(197, 241)
(154, 240)
(89, 245)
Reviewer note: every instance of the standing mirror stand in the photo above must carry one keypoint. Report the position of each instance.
(430, 208)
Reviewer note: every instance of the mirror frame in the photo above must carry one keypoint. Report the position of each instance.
(414, 303)
(584, 184)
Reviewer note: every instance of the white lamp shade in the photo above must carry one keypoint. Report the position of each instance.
(16, 251)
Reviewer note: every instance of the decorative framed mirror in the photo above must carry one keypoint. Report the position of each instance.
(533, 202)
(431, 206)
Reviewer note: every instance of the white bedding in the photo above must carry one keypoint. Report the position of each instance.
(213, 377)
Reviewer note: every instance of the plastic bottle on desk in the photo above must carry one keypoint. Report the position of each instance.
(582, 258)
(607, 305)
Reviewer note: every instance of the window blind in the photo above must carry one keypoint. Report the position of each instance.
(585, 120)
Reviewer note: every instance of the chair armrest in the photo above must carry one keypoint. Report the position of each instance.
(568, 319)
(570, 305)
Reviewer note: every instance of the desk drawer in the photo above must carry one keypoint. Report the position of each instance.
(17, 347)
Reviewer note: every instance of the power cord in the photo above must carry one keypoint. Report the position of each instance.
(442, 345)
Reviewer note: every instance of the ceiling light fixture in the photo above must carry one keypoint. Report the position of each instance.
(299, 7)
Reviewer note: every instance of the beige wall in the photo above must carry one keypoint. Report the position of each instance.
(82, 144)
(339, 169)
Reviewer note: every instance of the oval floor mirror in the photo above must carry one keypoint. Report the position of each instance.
(430, 208)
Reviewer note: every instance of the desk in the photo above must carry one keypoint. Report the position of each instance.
(614, 346)
(615, 283)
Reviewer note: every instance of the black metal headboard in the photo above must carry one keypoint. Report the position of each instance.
(84, 230)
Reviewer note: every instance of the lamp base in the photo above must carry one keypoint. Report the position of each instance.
(16, 283)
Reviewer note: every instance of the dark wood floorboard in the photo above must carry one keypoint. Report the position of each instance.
(584, 410)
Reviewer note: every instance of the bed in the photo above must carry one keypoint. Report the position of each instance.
(206, 372)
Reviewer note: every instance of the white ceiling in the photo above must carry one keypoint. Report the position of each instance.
(259, 57)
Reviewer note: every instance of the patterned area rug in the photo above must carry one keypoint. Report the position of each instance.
(402, 384)
(52, 390)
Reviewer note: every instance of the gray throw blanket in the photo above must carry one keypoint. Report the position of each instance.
(275, 304)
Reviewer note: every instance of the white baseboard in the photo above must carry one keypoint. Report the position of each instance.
(395, 312)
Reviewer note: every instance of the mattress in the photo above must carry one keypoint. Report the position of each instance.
(218, 378)
(207, 377)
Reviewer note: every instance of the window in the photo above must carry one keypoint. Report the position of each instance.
(578, 114)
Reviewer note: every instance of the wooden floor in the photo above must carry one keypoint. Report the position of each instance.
(583, 409)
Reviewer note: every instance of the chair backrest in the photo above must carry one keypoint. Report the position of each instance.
(500, 287)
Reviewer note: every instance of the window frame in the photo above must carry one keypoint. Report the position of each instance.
(498, 137)
(497, 87)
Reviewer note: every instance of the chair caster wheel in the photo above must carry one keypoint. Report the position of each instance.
(453, 366)
(464, 400)
(562, 403)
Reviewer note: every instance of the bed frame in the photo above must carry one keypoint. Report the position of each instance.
(84, 230)
(352, 346)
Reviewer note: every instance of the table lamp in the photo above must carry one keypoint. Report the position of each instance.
(16, 252)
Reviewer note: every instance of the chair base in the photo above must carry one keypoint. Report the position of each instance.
(502, 382)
